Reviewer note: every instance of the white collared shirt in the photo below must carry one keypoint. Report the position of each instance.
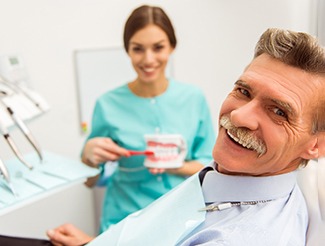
(279, 218)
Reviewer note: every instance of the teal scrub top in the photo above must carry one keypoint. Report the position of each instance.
(126, 118)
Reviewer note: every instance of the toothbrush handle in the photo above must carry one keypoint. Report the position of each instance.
(145, 152)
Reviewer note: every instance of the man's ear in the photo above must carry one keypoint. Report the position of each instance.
(312, 152)
(321, 144)
(317, 147)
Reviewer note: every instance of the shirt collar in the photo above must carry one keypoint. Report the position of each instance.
(218, 187)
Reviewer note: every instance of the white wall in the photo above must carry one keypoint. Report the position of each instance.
(321, 21)
(216, 39)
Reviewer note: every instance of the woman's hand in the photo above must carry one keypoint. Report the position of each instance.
(68, 235)
(99, 150)
(157, 170)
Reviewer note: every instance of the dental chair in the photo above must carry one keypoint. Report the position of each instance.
(311, 180)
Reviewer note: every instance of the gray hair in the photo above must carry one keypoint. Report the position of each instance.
(299, 50)
(296, 49)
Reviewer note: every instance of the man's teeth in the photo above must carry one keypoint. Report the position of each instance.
(232, 136)
(237, 140)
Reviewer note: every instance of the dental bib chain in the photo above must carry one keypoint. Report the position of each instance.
(222, 206)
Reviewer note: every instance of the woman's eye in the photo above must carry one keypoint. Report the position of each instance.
(137, 49)
(158, 47)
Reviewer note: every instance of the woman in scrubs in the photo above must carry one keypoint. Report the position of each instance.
(149, 104)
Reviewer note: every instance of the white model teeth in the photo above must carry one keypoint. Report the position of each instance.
(164, 152)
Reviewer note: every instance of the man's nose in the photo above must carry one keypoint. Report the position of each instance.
(246, 116)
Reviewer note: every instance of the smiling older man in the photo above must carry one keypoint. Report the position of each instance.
(271, 123)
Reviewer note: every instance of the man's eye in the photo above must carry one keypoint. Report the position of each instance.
(280, 112)
(244, 92)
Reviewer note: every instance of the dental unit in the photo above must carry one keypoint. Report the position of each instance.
(4, 131)
(6, 176)
(21, 125)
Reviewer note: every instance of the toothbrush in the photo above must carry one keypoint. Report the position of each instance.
(145, 152)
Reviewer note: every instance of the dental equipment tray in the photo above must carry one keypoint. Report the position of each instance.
(52, 175)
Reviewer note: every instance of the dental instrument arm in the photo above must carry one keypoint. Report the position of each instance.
(23, 127)
(19, 89)
(4, 131)
(5, 173)
(21, 124)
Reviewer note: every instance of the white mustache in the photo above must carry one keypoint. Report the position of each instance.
(243, 136)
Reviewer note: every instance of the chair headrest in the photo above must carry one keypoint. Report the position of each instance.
(311, 180)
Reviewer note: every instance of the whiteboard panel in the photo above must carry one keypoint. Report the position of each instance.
(100, 70)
